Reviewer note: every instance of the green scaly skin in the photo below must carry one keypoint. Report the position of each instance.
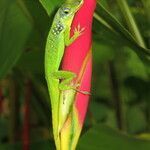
(58, 38)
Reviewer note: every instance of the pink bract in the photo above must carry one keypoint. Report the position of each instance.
(77, 58)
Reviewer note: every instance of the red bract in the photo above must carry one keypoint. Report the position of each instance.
(26, 123)
(78, 59)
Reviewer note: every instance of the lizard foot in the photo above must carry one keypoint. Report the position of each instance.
(78, 31)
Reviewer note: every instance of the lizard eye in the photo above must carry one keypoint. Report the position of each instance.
(66, 10)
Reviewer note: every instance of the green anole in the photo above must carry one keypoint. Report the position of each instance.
(58, 38)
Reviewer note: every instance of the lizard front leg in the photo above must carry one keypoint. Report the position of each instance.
(78, 31)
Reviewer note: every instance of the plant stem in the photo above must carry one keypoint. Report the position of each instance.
(131, 21)
(116, 95)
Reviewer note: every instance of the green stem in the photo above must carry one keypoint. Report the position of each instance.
(131, 21)
(102, 21)
(115, 90)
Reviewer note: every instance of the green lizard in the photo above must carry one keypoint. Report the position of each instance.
(58, 38)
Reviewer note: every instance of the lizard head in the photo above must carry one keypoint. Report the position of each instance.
(69, 8)
(65, 15)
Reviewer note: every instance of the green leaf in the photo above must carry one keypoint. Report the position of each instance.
(98, 113)
(130, 21)
(14, 31)
(32, 61)
(104, 138)
(115, 27)
(135, 119)
(134, 66)
(41, 22)
(50, 5)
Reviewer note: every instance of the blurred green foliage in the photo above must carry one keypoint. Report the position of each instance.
(120, 82)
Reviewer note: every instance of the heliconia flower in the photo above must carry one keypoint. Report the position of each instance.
(78, 59)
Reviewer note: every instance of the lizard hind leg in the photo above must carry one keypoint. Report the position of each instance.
(67, 77)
